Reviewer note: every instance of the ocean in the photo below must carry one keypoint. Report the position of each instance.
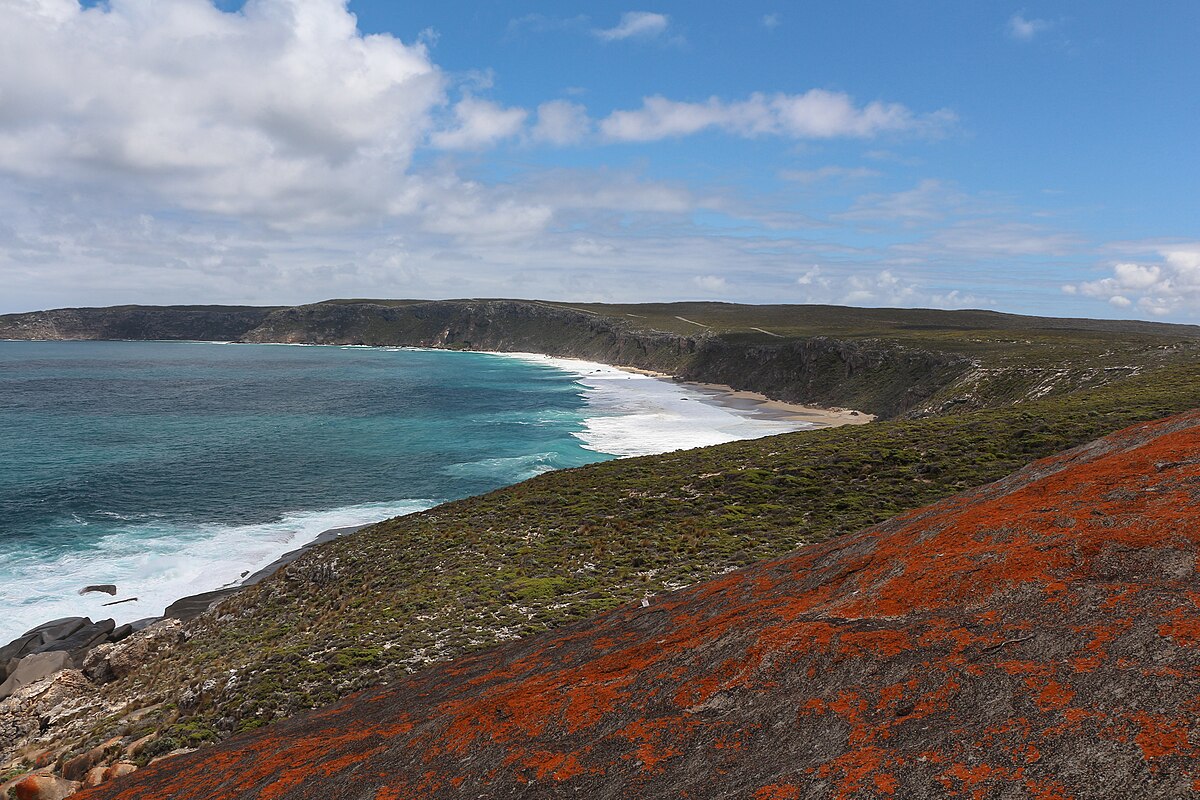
(171, 468)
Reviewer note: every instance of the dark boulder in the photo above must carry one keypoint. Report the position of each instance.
(81, 641)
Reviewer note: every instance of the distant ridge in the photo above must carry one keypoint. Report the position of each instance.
(887, 362)
(1035, 637)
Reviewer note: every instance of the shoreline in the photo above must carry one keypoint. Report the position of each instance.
(755, 404)
(760, 405)
(752, 404)
(746, 404)
(194, 605)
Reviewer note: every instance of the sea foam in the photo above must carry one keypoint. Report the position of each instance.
(158, 563)
(631, 414)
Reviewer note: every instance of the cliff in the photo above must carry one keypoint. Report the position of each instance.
(881, 378)
(888, 362)
(192, 323)
(1034, 638)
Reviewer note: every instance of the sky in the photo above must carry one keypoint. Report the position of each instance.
(1034, 158)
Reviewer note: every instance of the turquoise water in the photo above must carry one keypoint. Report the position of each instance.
(165, 467)
(172, 468)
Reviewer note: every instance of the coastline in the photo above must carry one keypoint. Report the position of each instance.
(742, 402)
(597, 378)
(755, 404)
(766, 407)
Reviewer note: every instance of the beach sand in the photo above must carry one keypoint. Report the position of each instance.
(764, 407)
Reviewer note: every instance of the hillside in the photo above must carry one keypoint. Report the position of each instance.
(1034, 637)
(887, 362)
(404, 596)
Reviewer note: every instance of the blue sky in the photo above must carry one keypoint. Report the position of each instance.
(1034, 158)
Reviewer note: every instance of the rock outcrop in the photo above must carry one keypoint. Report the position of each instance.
(1036, 638)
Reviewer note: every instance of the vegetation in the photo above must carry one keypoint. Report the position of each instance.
(566, 545)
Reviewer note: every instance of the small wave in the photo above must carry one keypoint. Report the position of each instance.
(508, 469)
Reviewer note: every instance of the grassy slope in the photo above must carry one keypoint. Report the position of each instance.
(565, 545)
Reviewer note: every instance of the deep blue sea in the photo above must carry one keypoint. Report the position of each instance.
(169, 468)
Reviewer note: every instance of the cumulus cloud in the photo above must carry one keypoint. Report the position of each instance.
(478, 124)
(1168, 285)
(816, 114)
(635, 25)
(281, 108)
(1025, 30)
(561, 122)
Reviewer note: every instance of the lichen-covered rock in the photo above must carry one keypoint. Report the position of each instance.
(1037, 638)
(44, 787)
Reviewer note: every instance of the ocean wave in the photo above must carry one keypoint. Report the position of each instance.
(631, 414)
(509, 470)
(159, 562)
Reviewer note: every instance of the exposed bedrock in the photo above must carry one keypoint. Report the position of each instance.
(1034, 638)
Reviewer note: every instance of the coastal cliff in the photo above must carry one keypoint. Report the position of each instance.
(887, 362)
(193, 323)
(874, 376)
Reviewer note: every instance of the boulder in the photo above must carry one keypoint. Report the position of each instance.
(32, 669)
(58, 628)
(44, 787)
(81, 641)
(80, 766)
(107, 588)
(119, 769)
(33, 640)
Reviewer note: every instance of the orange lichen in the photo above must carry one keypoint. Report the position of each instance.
(963, 649)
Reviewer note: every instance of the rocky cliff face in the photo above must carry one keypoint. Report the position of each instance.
(872, 376)
(194, 323)
(1035, 638)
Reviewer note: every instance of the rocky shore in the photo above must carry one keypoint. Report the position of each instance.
(54, 674)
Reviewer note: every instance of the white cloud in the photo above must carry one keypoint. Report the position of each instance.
(479, 124)
(635, 25)
(560, 122)
(234, 113)
(1025, 30)
(1169, 285)
(807, 177)
(771, 21)
(816, 114)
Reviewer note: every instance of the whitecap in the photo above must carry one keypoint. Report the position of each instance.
(159, 562)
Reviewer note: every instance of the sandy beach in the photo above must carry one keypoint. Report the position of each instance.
(764, 407)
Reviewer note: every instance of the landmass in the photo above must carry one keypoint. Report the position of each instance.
(962, 399)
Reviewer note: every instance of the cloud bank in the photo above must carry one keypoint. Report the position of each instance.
(283, 109)
(815, 114)
(1166, 285)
